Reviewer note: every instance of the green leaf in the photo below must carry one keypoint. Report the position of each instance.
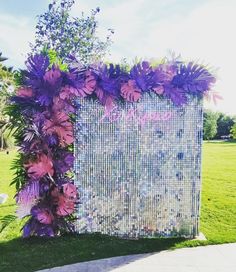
(6, 220)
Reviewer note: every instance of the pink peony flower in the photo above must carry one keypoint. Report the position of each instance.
(25, 92)
(130, 91)
(39, 168)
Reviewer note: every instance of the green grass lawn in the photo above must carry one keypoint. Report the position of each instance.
(218, 221)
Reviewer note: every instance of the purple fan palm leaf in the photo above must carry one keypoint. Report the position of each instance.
(36, 65)
(27, 198)
(193, 79)
(144, 76)
(109, 79)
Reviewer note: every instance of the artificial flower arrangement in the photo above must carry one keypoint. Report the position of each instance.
(43, 109)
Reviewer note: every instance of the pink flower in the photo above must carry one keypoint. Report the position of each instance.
(39, 168)
(159, 90)
(60, 124)
(45, 217)
(25, 92)
(130, 91)
(70, 191)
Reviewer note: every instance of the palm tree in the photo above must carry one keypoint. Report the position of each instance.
(6, 81)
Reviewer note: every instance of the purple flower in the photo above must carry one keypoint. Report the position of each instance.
(193, 79)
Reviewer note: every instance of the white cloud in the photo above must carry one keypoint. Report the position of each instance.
(204, 34)
(15, 35)
(147, 28)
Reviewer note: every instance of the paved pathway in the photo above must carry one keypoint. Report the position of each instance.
(217, 258)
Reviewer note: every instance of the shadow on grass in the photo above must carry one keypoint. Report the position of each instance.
(38, 253)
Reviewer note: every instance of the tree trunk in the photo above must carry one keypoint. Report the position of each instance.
(2, 140)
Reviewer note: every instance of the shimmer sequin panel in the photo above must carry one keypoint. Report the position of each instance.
(138, 168)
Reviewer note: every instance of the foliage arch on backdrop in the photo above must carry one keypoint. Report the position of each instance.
(43, 112)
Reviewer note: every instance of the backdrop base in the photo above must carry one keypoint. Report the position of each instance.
(200, 237)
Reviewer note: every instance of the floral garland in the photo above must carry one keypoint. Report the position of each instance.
(45, 104)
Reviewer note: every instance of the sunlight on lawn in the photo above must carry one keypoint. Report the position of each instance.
(218, 220)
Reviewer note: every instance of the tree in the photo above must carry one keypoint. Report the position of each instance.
(209, 125)
(233, 131)
(76, 37)
(6, 82)
(224, 124)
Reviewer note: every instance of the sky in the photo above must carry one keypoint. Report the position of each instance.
(202, 31)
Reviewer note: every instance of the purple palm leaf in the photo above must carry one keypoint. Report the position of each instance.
(193, 78)
(27, 198)
(34, 227)
(130, 91)
(110, 78)
(37, 65)
(164, 73)
(144, 76)
(176, 95)
(36, 68)
(50, 87)
(65, 163)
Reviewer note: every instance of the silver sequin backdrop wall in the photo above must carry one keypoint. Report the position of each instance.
(138, 171)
